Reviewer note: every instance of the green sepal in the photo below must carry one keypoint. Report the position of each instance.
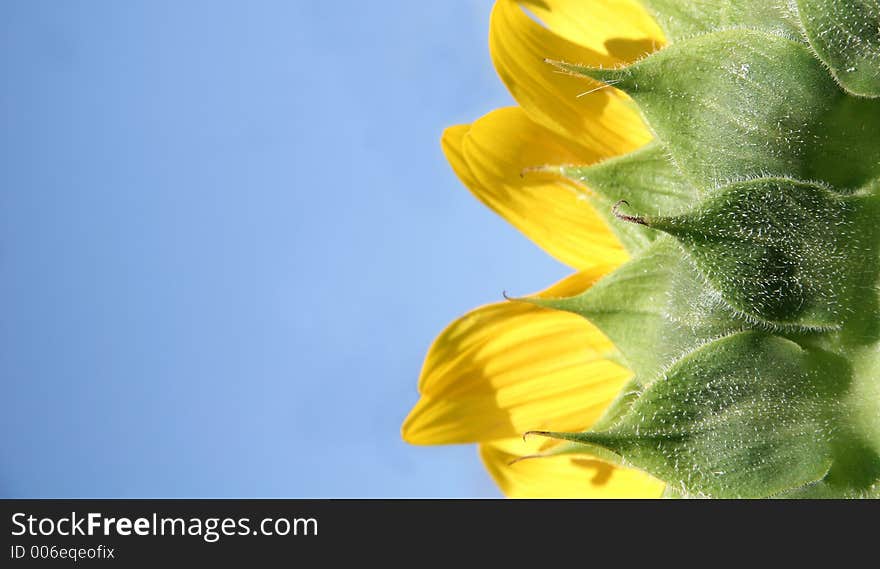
(655, 309)
(748, 415)
(845, 34)
(646, 178)
(782, 252)
(740, 104)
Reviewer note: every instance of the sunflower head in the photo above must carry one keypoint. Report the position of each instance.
(711, 173)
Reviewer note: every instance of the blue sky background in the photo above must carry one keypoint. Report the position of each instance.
(227, 238)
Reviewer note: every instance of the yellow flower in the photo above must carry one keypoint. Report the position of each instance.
(507, 368)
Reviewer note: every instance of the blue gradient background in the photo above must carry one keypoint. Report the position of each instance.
(227, 237)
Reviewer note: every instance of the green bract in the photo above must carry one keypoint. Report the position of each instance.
(750, 311)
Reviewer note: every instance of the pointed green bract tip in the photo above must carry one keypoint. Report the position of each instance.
(748, 415)
(615, 77)
(783, 252)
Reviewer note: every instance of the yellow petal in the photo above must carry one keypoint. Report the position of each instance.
(490, 158)
(563, 476)
(510, 367)
(621, 29)
(604, 119)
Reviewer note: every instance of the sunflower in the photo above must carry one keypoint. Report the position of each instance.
(507, 368)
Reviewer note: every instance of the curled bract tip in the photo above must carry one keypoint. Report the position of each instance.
(522, 458)
(615, 209)
(528, 434)
(510, 298)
